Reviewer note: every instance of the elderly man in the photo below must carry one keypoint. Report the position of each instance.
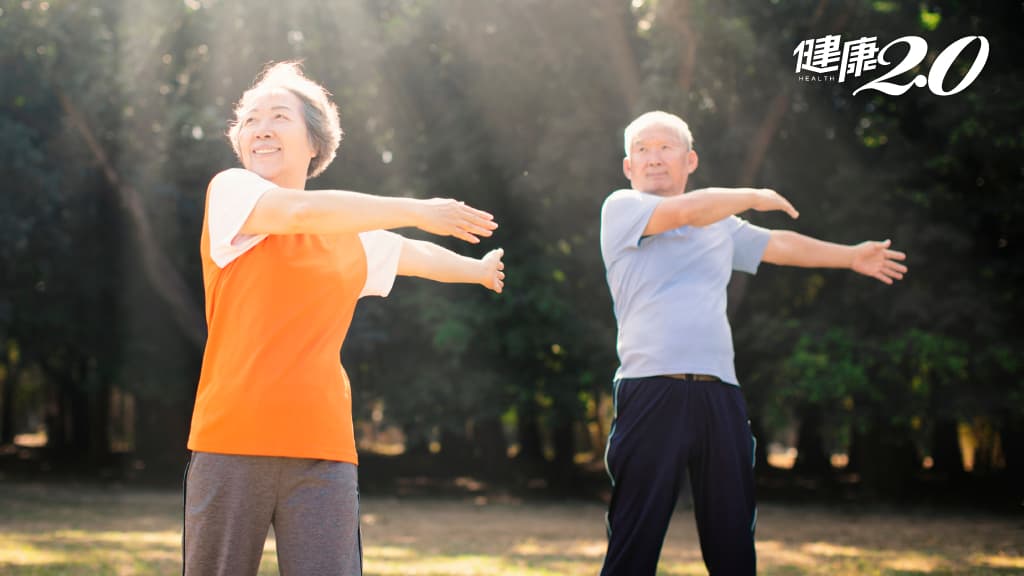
(669, 256)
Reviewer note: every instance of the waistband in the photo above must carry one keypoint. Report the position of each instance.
(693, 377)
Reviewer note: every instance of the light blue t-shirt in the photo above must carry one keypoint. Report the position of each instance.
(669, 289)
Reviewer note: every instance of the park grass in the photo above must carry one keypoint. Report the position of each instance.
(87, 530)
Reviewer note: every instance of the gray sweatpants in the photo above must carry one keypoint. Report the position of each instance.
(231, 501)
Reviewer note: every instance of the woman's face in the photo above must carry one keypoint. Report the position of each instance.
(273, 139)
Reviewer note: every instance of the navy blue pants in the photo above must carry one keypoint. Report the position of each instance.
(662, 427)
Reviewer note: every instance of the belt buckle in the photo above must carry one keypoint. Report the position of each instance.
(694, 377)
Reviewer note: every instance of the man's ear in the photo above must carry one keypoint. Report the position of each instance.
(627, 168)
(692, 161)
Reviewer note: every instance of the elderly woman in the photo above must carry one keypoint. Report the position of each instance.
(283, 267)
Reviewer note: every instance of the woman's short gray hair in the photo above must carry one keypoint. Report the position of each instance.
(661, 118)
(323, 123)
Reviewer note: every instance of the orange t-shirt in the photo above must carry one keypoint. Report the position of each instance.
(278, 308)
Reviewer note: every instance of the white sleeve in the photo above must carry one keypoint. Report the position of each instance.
(383, 250)
(233, 195)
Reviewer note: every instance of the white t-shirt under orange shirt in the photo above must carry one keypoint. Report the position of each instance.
(278, 308)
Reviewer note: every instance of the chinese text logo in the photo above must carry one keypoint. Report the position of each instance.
(839, 60)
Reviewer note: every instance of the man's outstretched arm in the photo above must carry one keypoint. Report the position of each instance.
(871, 258)
(428, 260)
(709, 205)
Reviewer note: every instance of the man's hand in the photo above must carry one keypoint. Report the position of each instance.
(446, 217)
(493, 276)
(876, 260)
(766, 199)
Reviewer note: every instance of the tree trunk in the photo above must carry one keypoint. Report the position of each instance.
(99, 425)
(757, 149)
(622, 61)
(564, 466)
(7, 417)
(679, 16)
(456, 450)
(531, 446)
(78, 450)
(416, 445)
(489, 444)
(161, 438)
(54, 417)
(166, 280)
(811, 454)
(946, 457)
(1012, 437)
(886, 460)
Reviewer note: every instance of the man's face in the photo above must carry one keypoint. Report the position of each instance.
(659, 162)
(273, 139)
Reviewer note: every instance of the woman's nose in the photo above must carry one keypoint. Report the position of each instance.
(263, 128)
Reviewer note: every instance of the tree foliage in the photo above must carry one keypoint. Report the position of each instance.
(111, 122)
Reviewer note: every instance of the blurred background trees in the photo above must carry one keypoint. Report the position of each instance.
(112, 117)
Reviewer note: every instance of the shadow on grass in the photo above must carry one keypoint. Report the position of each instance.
(74, 552)
(801, 571)
(49, 530)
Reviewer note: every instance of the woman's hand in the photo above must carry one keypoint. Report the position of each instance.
(446, 217)
(493, 276)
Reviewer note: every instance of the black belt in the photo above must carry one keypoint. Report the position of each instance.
(694, 377)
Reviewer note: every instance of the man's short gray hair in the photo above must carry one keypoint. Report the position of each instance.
(320, 114)
(657, 117)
